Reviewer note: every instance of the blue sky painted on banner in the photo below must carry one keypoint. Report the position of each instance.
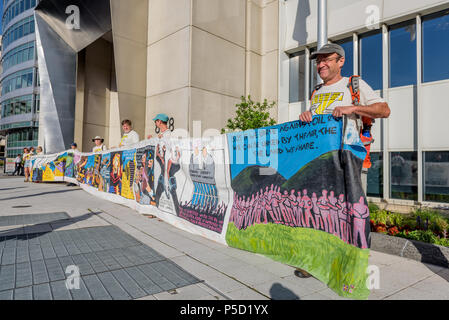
(298, 145)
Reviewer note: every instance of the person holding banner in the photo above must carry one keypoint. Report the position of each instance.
(99, 146)
(27, 163)
(130, 136)
(161, 123)
(335, 96)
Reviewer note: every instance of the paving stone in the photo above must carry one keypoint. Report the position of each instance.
(108, 260)
(39, 272)
(23, 293)
(162, 268)
(8, 256)
(24, 275)
(84, 266)
(7, 277)
(96, 288)
(82, 293)
(11, 242)
(35, 252)
(66, 262)
(55, 270)
(128, 283)
(181, 273)
(95, 262)
(7, 295)
(42, 292)
(133, 258)
(59, 291)
(22, 254)
(113, 287)
(156, 277)
(144, 282)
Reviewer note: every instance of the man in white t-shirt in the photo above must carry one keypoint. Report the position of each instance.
(129, 137)
(334, 97)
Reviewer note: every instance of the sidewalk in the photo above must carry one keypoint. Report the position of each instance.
(124, 255)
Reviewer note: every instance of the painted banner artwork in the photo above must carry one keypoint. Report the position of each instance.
(311, 204)
(128, 172)
(291, 192)
(144, 191)
(205, 203)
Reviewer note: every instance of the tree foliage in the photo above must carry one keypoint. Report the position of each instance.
(251, 115)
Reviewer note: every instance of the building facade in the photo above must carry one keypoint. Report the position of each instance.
(19, 78)
(189, 59)
(400, 50)
(109, 60)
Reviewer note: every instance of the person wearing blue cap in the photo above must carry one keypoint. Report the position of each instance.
(161, 122)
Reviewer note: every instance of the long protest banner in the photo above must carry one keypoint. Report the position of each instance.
(291, 192)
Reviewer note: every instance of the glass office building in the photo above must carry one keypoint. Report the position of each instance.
(19, 118)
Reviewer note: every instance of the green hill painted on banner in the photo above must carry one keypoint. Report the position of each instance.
(307, 177)
(249, 181)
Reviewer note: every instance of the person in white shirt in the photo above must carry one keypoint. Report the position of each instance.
(161, 122)
(99, 146)
(334, 97)
(18, 165)
(129, 137)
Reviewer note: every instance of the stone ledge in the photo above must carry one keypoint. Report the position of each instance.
(411, 249)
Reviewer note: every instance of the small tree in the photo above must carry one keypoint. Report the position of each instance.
(251, 115)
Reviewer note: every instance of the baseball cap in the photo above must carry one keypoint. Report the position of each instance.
(161, 116)
(329, 48)
(74, 145)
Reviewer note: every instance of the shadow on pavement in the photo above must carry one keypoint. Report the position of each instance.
(279, 292)
(7, 189)
(433, 256)
(39, 194)
(55, 225)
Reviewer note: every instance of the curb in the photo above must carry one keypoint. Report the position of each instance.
(411, 249)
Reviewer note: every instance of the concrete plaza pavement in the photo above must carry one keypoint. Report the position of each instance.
(224, 272)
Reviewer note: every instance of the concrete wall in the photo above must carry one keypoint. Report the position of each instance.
(203, 55)
(129, 33)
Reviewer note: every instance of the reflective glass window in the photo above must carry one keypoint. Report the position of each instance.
(435, 33)
(404, 175)
(348, 46)
(371, 59)
(436, 176)
(376, 176)
(297, 80)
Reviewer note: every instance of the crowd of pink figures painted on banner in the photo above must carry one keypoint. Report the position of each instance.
(297, 209)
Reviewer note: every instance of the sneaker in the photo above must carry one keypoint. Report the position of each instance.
(302, 273)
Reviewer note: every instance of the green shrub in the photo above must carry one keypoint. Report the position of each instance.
(373, 207)
(251, 115)
(387, 218)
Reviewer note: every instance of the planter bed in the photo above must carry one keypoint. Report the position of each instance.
(411, 249)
